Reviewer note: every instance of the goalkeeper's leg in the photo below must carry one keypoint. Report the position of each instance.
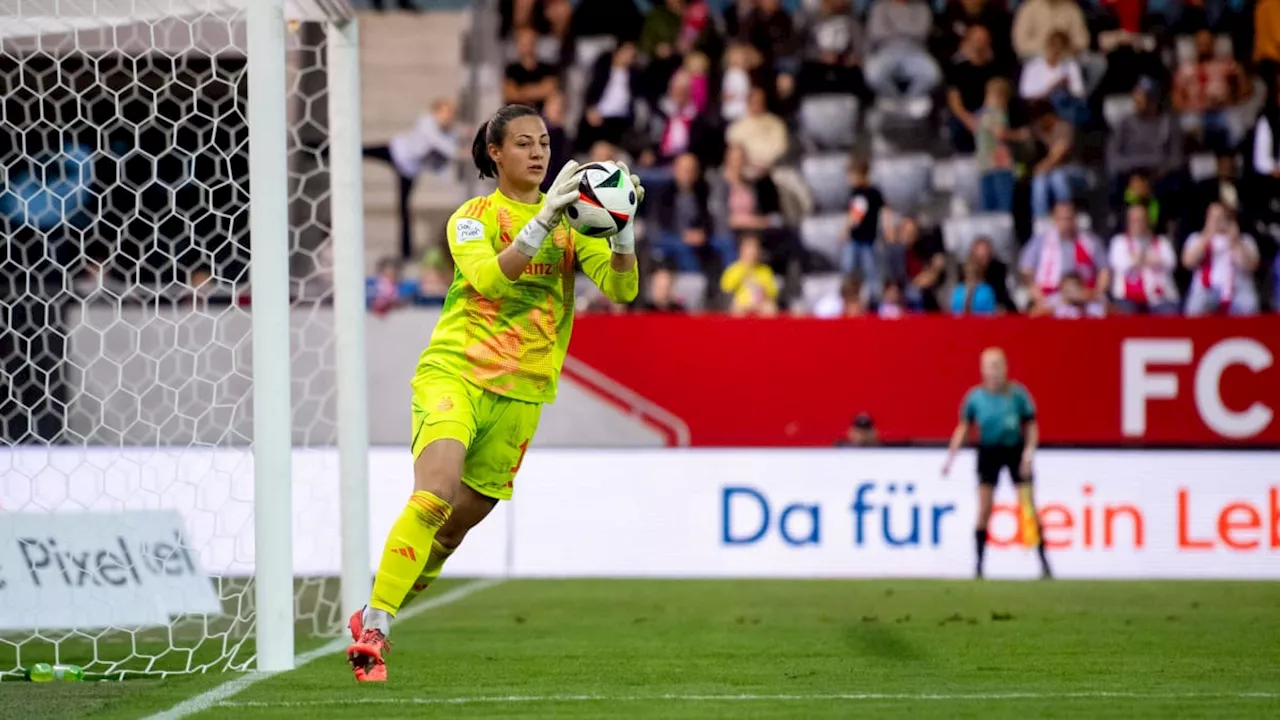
(437, 482)
(469, 510)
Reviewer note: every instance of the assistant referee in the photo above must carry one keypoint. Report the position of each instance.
(1007, 438)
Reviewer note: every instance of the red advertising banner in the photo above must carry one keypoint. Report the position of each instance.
(787, 381)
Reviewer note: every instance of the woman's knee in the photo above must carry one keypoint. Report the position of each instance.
(438, 469)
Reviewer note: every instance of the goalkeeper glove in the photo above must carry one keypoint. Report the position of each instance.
(624, 243)
(563, 191)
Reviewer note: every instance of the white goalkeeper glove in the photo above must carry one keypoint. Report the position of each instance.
(624, 243)
(562, 193)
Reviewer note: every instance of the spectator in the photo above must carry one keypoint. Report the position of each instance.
(661, 30)
(610, 98)
(834, 52)
(861, 433)
(973, 295)
(1223, 261)
(846, 302)
(890, 305)
(432, 145)
(682, 224)
(761, 134)
(1036, 20)
(677, 121)
(528, 81)
(697, 28)
(1205, 89)
(897, 31)
(994, 272)
(661, 292)
(1055, 76)
(1138, 193)
(1061, 250)
(967, 78)
(561, 143)
(1055, 176)
(863, 223)
(1142, 265)
(740, 61)
(1266, 149)
(383, 289)
(768, 27)
(697, 66)
(740, 202)
(1148, 142)
(1266, 38)
(914, 260)
(1223, 188)
(955, 22)
(1073, 301)
(993, 158)
(749, 282)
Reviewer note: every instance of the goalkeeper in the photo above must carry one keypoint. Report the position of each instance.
(494, 359)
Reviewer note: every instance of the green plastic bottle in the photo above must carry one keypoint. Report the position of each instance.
(44, 672)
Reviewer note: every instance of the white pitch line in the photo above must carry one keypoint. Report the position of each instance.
(1100, 694)
(220, 694)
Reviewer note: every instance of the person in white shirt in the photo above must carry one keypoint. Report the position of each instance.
(1222, 261)
(1142, 266)
(431, 145)
(1055, 76)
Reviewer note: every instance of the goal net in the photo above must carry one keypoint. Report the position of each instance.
(132, 414)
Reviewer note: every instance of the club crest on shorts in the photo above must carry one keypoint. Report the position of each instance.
(445, 404)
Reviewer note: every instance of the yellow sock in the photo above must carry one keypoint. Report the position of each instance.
(407, 550)
(435, 563)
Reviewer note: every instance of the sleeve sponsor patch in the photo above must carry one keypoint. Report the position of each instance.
(467, 229)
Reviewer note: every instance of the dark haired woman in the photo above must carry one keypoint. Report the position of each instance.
(494, 359)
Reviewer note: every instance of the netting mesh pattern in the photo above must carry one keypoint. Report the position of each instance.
(125, 327)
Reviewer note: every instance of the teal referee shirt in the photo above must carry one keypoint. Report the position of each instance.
(999, 416)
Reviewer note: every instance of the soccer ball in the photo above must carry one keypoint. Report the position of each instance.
(606, 200)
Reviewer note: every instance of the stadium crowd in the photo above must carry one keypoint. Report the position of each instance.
(892, 157)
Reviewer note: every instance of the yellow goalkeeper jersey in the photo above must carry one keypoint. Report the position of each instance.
(510, 337)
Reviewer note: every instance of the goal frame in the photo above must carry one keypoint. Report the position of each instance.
(269, 276)
(268, 25)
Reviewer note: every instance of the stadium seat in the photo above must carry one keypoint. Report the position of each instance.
(690, 289)
(1116, 108)
(904, 180)
(959, 176)
(827, 178)
(824, 235)
(827, 121)
(816, 287)
(958, 235)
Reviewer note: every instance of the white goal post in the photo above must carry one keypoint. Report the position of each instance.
(182, 287)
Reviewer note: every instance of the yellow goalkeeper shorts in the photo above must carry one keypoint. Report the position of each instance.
(495, 429)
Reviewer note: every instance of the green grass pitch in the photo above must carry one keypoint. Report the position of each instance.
(775, 649)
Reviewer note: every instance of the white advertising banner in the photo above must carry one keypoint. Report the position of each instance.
(213, 490)
(89, 570)
(721, 513)
(869, 513)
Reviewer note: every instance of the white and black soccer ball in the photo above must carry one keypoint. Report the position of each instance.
(606, 200)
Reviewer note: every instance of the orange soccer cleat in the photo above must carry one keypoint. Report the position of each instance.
(365, 654)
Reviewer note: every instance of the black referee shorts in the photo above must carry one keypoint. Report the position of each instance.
(994, 458)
